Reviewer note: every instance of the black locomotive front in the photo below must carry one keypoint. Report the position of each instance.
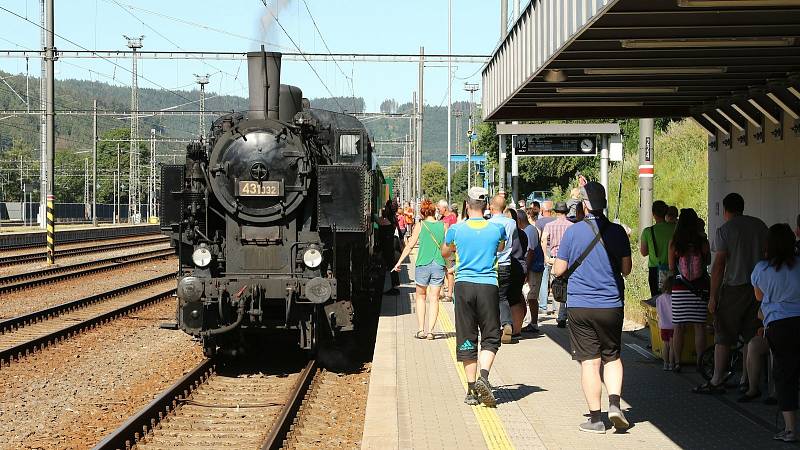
(271, 219)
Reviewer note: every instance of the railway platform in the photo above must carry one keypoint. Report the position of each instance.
(417, 390)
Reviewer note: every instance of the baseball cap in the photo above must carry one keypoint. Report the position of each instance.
(561, 207)
(477, 193)
(595, 194)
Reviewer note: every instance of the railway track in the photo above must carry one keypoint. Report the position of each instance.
(211, 408)
(22, 335)
(58, 273)
(81, 250)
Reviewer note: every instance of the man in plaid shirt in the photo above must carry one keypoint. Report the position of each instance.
(551, 239)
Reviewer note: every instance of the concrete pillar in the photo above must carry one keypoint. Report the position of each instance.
(501, 164)
(604, 162)
(646, 173)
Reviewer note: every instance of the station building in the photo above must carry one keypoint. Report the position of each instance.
(731, 65)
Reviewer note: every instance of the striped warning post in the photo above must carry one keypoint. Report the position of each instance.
(51, 234)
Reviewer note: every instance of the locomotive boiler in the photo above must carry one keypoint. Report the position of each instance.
(273, 218)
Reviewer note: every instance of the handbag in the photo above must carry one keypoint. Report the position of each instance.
(558, 287)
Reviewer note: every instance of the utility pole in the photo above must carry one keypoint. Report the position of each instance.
(412, 125)
(86, 206)
(420, 120)
(118, 206)
(471, 88)
(151, 180)
(450, 92)
(43, 123)
(51, 134)
(646, 173)
(202, 80)
(133, 189)
(503, 19)
(604, 161)
(94, 162)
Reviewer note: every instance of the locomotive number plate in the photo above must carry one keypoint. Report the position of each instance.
(260, 189)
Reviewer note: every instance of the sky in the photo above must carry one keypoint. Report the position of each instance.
(361, 26)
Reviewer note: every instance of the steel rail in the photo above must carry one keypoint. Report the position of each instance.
(15, 323)
(53, 274)
(280, 429)
(21, 350)
(41, 256)
(136, 427)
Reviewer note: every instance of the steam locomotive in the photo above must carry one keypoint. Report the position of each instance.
(273, 218)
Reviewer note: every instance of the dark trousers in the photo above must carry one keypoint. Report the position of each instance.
(652, 280)
(784, 341)
(505, 283)
(476, 307)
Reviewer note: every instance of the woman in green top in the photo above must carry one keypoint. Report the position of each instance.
(429, 268)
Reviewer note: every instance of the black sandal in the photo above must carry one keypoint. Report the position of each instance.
(420, 334)
(430, 336)
(747, 398)
(709, 388)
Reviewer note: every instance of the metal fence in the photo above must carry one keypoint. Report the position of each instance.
(67, 212)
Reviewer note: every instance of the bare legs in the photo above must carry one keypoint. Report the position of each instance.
(431, 294)
(517, 316)
(433, 306)
(486, 359)
(592, 384)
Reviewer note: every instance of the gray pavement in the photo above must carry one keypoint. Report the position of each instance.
(416, 396)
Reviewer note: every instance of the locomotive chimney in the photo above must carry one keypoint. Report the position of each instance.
(264, 83)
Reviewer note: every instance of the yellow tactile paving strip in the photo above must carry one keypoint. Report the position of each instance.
(491, 426)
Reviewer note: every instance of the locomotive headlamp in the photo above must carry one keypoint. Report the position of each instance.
(312, 258)
(201, 257)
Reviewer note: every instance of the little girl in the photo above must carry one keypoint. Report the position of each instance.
(664, 308)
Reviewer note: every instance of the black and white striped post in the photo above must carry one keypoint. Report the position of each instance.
(51, 234)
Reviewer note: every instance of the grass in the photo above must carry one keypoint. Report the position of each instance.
(681, 179)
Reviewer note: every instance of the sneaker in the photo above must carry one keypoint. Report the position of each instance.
(617, 418)
(530, 328)
(593, 427)
(471, 399)
(667, 367)
(785, 436)
(561, 324)
(506, 337)
(484, 391)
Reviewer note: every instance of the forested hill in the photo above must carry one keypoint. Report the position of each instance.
(74, 132)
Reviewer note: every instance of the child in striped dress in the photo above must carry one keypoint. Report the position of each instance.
(664, 309)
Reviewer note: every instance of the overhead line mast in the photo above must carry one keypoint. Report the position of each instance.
(133, 181)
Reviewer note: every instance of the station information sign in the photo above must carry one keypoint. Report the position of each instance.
(543, 145)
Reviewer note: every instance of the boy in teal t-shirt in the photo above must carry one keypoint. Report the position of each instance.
(476, 242)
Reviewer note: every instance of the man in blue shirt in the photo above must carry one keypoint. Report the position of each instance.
(509, 283)
(595, 309)
(476, 243)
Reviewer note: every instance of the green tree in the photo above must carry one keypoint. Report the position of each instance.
(434, 181)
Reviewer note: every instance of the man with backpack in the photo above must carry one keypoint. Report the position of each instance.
(655, 245)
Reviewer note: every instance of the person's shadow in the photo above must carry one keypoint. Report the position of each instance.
(515, 392)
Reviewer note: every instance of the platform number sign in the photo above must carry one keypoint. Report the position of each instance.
(543, 145)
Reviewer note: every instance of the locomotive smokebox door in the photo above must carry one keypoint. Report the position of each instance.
(343, 198)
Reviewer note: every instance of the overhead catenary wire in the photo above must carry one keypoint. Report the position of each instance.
(349, 79)
(93, 52)
(302, 54)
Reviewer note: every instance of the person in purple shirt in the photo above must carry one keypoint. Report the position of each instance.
(596, 293)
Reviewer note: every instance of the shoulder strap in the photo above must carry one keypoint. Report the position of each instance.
(653, 238)
(435, 241)
(574, 266)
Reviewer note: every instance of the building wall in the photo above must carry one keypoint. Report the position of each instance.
(766, 174)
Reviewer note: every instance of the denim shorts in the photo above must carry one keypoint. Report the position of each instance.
(429, 275)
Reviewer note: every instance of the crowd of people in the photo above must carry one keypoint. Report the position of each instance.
(510, 257)
(752, 292)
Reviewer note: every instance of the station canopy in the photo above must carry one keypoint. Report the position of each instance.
(723, 62)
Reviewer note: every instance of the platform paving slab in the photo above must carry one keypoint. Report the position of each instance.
(416, 395)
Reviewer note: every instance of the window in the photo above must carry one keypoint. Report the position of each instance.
(349, 145)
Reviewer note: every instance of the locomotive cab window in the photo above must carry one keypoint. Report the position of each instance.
(350, 148)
